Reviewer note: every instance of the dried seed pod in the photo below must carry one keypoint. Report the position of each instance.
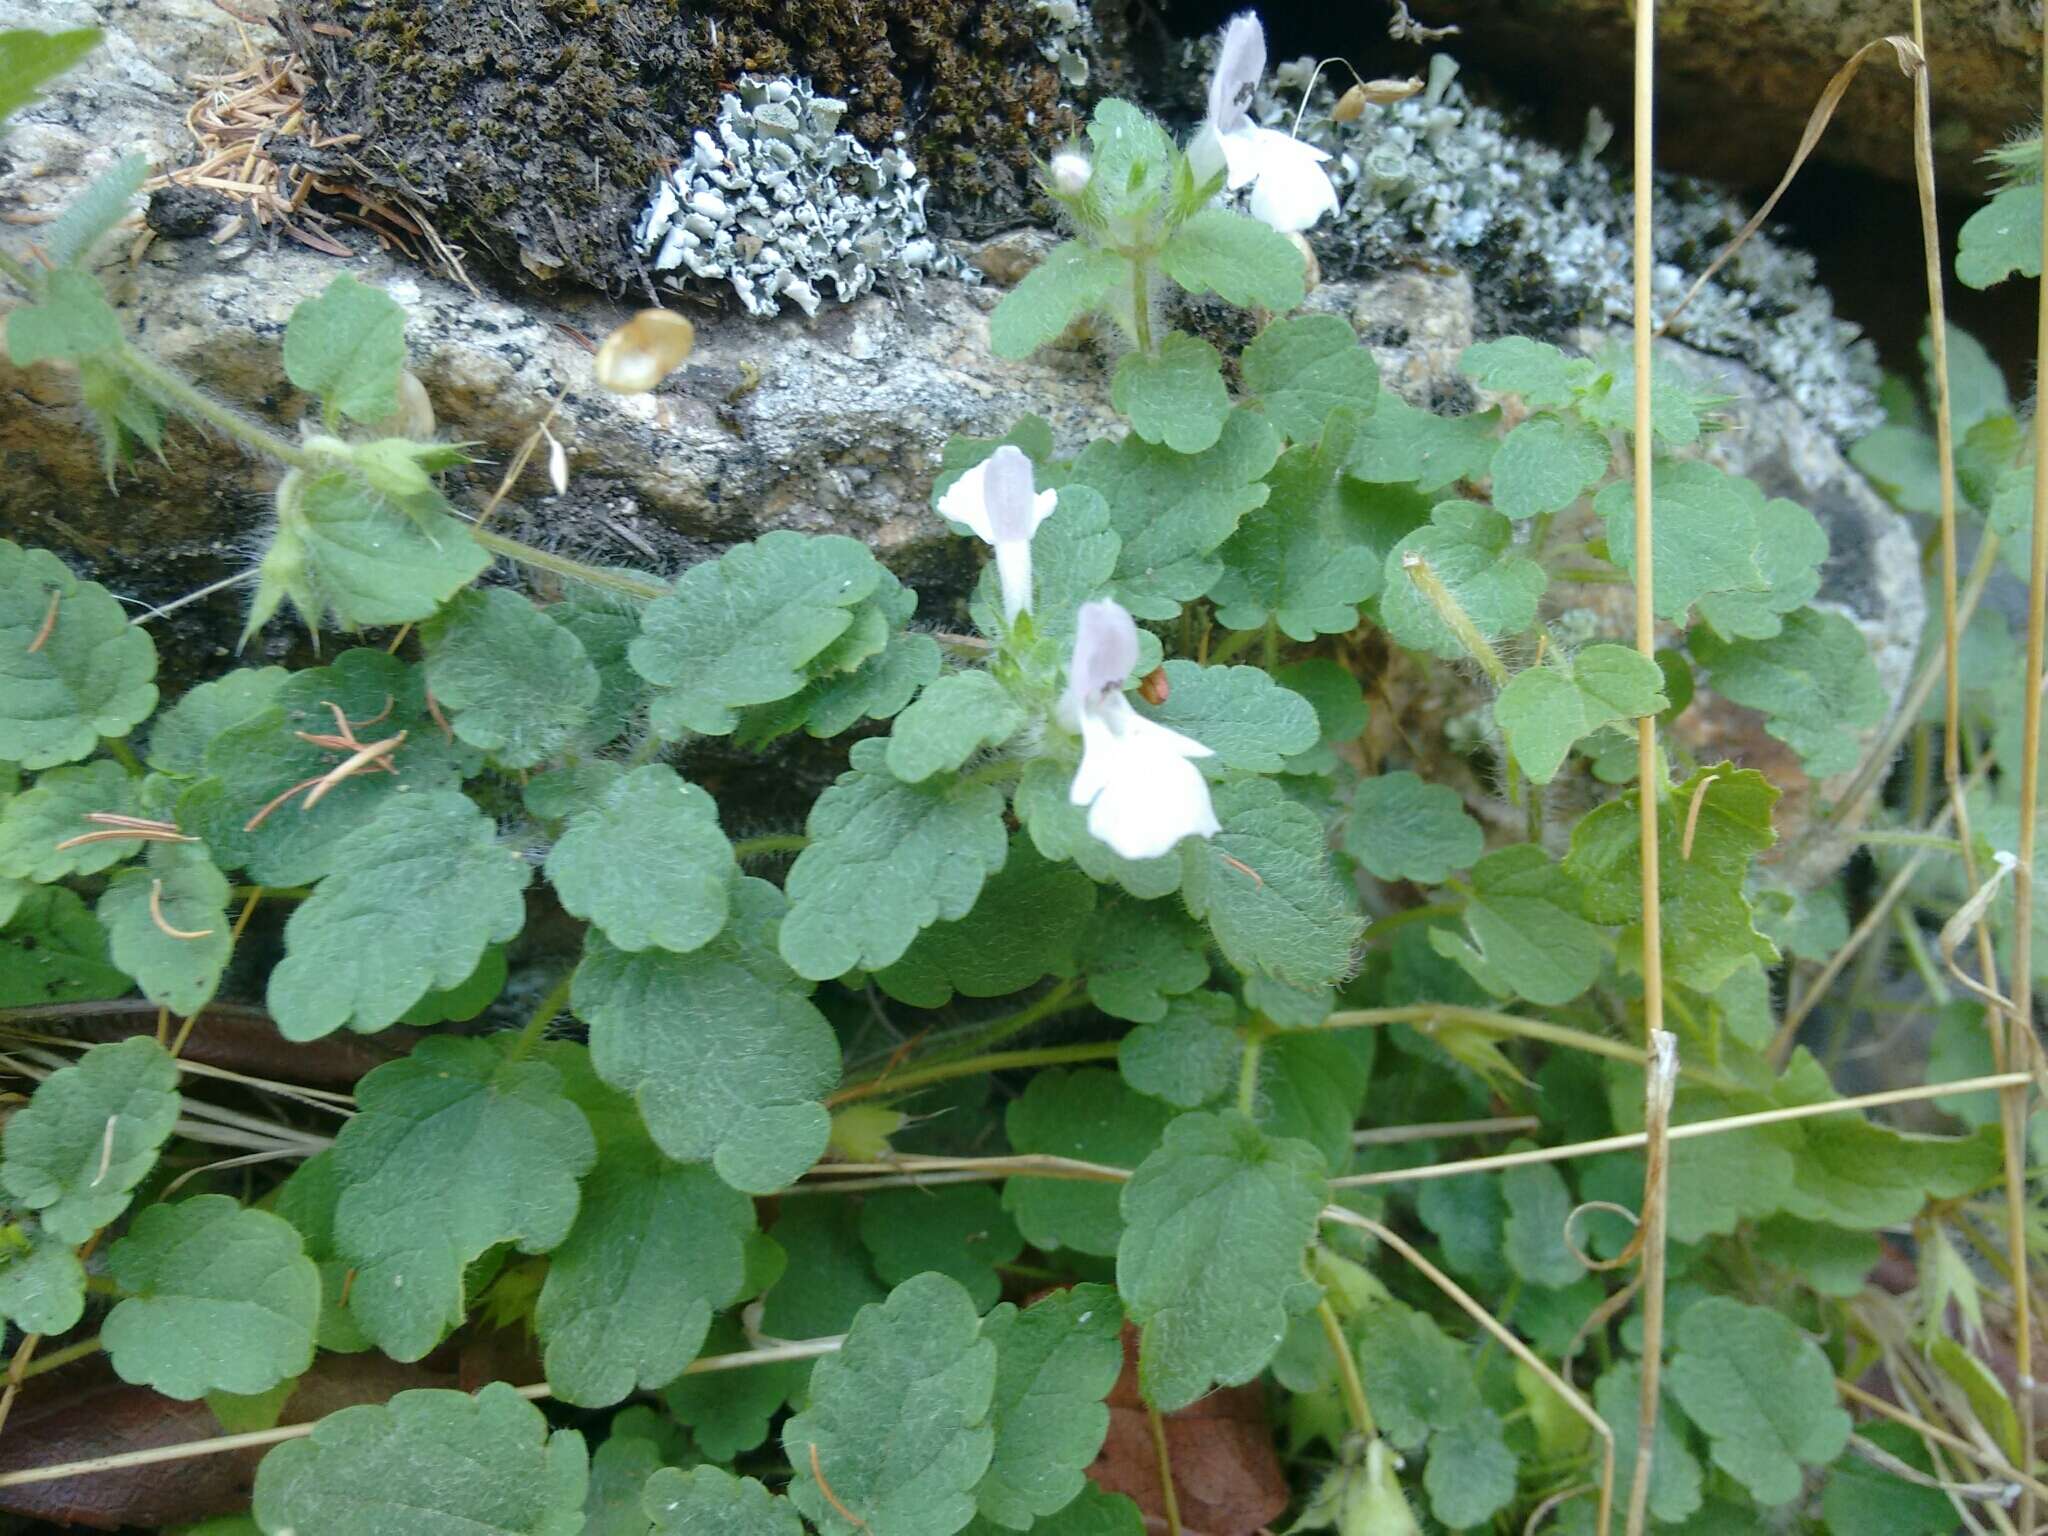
(414, 417)
(1154, 689)
(1312, 270)
(644, 351)
(1373, 93)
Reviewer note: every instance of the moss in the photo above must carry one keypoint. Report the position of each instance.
(536, 125)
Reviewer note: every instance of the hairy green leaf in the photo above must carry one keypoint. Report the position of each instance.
(348, 347)
(1266, 887)
(42, 1282)
(1814, 680)
(955, 717)
(721, 1048)
(1189, 1056)
(515, 683)
(1236, 258)
(1707, 531)
(1027, 924)
(1675, 1480)
(1055, 1363)
(647, 863)
(91, 675)
(1400, 443)
(167, 926)
(89, 1134)
(1762, 1391)
(1524, 916)
(657, 1248)
(1249, 721)
(429, 1463)
(885, 860)
(1546, 464)
(1535, 370)
(1403, 829)
(710, 1501)
(416, 895)
(71, 321)
(1174, 396)
(1138, 955)
(1072, 280)
(1210, 1264)
(960, 1231)
(31, 59)
(53, 950)
(1173, 511)
(1304, 367)
(1092, 1116)
(739, 630)
(222, 1299)
(2002, 238)
(455, 1148)
(897, 1422)
(34, 822)
(1789, 553)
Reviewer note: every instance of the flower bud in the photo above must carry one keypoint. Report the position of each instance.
(644, 351)
(1070, 172)
(414, 415)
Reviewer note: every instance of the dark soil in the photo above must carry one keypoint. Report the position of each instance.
(529, 130)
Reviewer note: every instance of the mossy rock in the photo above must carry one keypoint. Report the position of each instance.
(530, 129)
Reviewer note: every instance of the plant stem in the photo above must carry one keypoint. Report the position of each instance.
(1141, 303)
(772, 842)
(19, 274)
(549, 1009)
(1169, 1499)
(1248, 1071)
(188, 400)
(570, 570)
(1393, 922)
(1235, 643)
(1271, 654)
(123, 754)
(972, 1066)
(62, 1357)
(1423, 1015)
(1058, 999)
(1347, 1370)
(1455, 618)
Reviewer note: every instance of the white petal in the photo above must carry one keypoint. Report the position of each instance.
(1293, 189)
(1098, 756)
(1240, 61)
(1007, 481)
(1159, 738)
(1150, 800)
(1042, 507)
(966, 502)
(1243, 155)
(1105, 650)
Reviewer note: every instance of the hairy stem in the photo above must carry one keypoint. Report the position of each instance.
(188, 400)
(973, 1066)
(1347, 1370)
(622, 582)
(545, 1013)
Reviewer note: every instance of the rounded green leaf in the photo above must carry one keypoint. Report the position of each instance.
(416, 896)
(1056, 1361)
(960, 1231)
(657, 1249)
(348, 346)
(454, 1149)
(1090, 1115)
(1266, 887)
(1210, 1263)
(1237, 258)
(1307, 366)
(721, 1048)
(648, 863)
(34, 822)
(42, 1283)
(223, 1299)
(1404, 829)
(885, 860)
(514, 683)
(89, 1134)
(167, 926)
(897, 1421)
(91, 675)
(1174, 396)
(710, 1501)
(428, 1463)
(738, 630)
(1763, 1392)
(955, 717)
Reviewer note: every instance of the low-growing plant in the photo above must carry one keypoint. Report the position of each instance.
(830, 1174)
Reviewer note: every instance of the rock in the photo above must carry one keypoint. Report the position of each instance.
(1737, 79)
(827, 424)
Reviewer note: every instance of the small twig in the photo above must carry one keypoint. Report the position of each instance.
(1692, 814)
(838, 1508)
(156, 915)
(49, 625)
(106, 1152)
(371, 755)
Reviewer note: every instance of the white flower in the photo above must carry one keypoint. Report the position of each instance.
(1142, 793)
(1290, 188)
(995, 501)
(1071, 171)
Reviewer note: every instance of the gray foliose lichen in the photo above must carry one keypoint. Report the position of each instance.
(776, 202)
(1441, 173)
